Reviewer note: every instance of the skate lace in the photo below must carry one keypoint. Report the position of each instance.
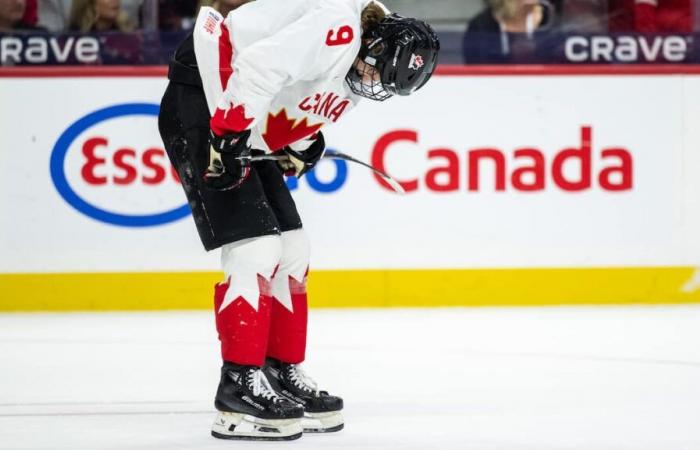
(301, 380)
(257, 381)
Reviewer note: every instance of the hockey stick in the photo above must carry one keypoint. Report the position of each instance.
(333, 154)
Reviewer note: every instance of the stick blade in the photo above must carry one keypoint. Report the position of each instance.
(395, 185)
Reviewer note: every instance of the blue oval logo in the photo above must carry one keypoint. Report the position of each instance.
(58, 175)
(323, 187)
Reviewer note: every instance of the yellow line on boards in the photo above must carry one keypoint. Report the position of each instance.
(361, 288)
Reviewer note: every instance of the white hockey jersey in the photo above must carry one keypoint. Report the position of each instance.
(278, 67)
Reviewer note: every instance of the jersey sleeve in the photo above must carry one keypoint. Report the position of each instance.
(316, 44)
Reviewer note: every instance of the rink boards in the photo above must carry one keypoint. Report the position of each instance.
(549, 188)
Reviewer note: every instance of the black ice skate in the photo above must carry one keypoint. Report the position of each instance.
(321, 410)
(250, 409)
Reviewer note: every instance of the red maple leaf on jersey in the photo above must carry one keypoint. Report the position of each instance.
(282, 131)
(233, 119)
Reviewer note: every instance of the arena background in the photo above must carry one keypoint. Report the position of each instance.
(96, 209)
(490, 151)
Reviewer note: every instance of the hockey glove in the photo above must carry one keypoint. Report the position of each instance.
(300, 162)
(229, 161)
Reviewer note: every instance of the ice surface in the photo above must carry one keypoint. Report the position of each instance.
(506, 379)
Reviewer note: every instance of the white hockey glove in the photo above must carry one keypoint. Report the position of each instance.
(300, 162)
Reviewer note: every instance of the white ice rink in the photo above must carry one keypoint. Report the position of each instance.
(487, 379)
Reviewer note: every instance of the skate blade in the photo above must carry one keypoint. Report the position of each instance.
(246, 427)
(327, 422)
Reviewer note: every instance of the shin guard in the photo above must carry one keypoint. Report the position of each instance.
(243, 302)
(289, 310)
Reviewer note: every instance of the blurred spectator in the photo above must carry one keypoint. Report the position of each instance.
(54, 15)
(650, 16)
(132, 10)
(31, 13)
(99, 15)
(506, 30)
(584, 16)
(223, 6)
(12, 14)
(176, 15)
(513, 16)
(181, 14)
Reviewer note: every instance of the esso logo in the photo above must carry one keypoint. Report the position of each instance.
(110, 165)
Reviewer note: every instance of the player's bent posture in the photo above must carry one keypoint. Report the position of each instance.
(266, 79)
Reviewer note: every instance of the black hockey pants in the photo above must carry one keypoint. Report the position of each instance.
(261, 206)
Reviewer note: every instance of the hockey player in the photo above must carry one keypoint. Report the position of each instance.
(267, 78)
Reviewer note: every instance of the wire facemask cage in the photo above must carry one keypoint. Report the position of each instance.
(399, 56)
(366, 81)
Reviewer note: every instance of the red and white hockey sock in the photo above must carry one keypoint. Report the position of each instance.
(243, 302)
(289, 310)
(288, 321)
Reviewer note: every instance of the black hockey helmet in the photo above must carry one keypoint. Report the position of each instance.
(398, 55)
